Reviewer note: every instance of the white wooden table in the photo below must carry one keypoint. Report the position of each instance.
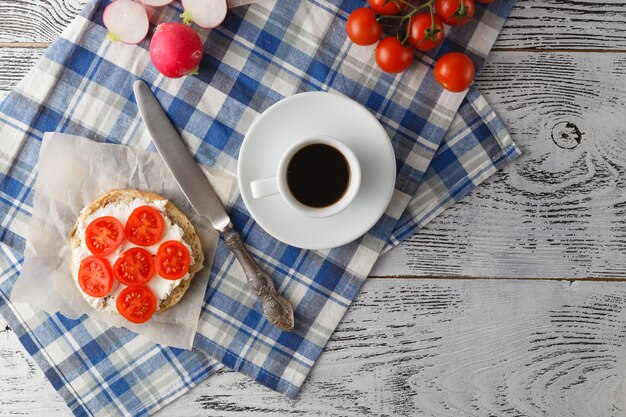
(510, 304)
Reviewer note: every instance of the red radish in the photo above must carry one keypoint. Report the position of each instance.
(126, 21)
(156, 3)
(204, 13)
(176, 50)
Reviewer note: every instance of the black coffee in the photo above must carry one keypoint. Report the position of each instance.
(318, 175)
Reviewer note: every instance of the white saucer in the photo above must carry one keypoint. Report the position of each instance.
(310, 114)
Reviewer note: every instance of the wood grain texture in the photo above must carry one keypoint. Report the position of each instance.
(423, 348)
(442, 347)
(14, 64)
(468, 348)
(553, 24)
(24, 390)
(570, 24)
(36, 21)
(558, 211)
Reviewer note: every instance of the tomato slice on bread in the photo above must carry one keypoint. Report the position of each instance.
(172, 260)
(103, 235)
(136, 304)
(134, 267)
(144, 226)
(95, 277)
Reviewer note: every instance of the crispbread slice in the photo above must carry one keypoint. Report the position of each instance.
(175, 215)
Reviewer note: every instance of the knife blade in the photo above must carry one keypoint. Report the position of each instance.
(178, 159)
(206, 203)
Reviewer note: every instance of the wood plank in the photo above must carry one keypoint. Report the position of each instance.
(420, 347)
(573, 24)
(24, 390)
(554, 24)
(14, 64)
(36, 21)
(556, 212)
(463, 348)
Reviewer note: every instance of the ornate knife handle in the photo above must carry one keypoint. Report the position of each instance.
(276, 308)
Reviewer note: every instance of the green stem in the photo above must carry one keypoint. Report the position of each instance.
(412, 13)
(408, 32)
(112, 37)
(386, 17)
(432, 18)
(409, 17)
(187, 18)
(429, 3)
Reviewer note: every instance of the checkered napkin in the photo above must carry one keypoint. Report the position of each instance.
(261, 53)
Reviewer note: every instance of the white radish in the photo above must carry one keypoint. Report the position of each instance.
(204, 13)
(156, 3)
(126, 21)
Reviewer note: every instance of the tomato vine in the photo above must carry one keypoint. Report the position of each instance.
(415, 24)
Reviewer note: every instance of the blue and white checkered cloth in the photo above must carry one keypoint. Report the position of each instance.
(262, 53)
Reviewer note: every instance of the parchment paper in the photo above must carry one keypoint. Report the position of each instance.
(73, 172)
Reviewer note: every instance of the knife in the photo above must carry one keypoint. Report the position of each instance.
(207, 204)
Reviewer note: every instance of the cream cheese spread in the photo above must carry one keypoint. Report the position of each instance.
(160, 286)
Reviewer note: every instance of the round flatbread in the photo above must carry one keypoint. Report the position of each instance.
(175, 215)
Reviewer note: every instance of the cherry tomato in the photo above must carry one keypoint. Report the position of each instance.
(425, 33)
(104, 235)
(134, 267)
(450, 11)
(386, 7)
(172, 260)
(136, 304)
(392, 56)
(362, 27)
(95, 277)
(145, 226)
(455, 72)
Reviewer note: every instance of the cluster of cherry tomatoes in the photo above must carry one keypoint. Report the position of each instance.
(418, 27)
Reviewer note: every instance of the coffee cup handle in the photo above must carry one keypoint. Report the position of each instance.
(264, 187)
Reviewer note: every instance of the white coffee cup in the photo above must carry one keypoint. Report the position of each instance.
(278, 184)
